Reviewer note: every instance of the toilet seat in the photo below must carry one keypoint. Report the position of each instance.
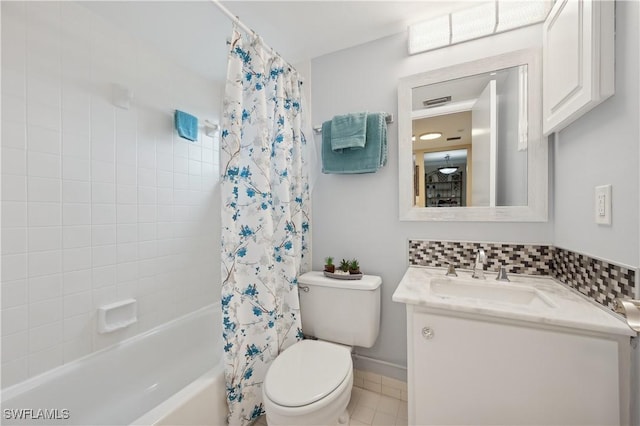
(307, 372)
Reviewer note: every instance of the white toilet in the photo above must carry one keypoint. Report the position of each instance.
(310, 382)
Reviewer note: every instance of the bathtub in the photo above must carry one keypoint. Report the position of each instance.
(169, 375)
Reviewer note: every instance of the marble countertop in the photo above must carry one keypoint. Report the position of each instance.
(556, 304)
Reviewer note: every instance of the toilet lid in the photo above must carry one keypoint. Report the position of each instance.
(306, 372)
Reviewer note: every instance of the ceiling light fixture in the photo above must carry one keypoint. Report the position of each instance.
(428, 35)
(448, 168)
(430, 136)
(475, 22)
(513, 14)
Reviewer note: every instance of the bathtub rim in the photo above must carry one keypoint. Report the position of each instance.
(175, 401)
(35, 381)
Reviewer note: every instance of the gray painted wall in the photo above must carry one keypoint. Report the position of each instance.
(357, 215)
(602, 147)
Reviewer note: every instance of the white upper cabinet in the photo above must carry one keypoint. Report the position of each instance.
(578, 60)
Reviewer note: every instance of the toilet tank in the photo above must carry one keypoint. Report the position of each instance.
(340, 311)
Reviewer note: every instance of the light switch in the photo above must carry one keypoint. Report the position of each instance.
(603, 204)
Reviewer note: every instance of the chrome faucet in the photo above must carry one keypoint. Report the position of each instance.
(451, 271)
(502, 274)
(478, 265)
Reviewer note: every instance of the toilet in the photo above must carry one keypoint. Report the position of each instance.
(310, 382)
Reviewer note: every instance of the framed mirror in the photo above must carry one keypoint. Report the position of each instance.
(470, 142)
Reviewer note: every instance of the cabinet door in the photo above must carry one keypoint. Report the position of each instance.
(578, 60)
(482, 373)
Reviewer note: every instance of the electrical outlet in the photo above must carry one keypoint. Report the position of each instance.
(603, 205)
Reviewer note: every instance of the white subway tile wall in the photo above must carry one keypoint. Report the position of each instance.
(99, 203)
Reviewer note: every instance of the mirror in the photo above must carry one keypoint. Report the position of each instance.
(470, 142)
(467, 134)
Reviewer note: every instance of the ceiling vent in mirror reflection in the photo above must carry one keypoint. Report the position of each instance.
(430, 103)
(479, 20)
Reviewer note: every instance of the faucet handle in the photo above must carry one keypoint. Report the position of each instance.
(451, 271)
(502, 274)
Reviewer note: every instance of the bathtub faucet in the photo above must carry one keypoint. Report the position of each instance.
(478, 265)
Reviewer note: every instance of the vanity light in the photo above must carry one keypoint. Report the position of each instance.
(472, 23)
(448, 169)
(478, 21)
(413, 138)
(513, 15)
(430, 136)
(429, 35)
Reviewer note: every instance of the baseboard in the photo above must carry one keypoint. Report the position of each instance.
(381, 384)
(383, 368)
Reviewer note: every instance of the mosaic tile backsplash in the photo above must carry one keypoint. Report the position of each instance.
(521, 258)
(602, 281)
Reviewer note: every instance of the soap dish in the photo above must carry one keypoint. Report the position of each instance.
(115, 316)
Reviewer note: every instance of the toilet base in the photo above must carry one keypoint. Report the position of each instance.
(332, 411)
(341, 421)
(344, 418)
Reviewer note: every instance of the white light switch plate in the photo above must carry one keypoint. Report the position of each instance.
(603, 205)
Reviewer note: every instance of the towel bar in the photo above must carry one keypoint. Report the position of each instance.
(318, 129)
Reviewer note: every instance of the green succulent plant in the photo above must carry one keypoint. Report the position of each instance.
(354, 265)
(328, 260)
(344, 265)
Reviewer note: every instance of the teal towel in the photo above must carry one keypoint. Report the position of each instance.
(186, 125)
(366, 160)
(349, 131)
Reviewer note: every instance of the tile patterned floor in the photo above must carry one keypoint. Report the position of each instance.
(371, 408)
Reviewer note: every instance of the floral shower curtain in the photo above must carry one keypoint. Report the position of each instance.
(265, 220)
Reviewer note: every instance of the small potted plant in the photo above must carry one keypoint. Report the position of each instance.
(328, 264)
(354, 267)
(344, 266)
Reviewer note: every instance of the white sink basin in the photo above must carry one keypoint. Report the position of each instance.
(487, 291)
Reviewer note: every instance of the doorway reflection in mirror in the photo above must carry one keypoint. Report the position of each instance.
(484, 117)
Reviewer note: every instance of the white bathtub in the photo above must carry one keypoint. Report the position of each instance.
(169, 375)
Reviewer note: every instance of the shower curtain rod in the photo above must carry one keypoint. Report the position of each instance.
(246, 29)
(233, 17)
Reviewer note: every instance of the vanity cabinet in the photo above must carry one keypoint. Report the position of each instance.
(578, 60)
(465, 368)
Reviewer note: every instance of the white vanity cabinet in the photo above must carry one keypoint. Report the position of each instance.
(528, 351)
(578, 60)
(464, 369)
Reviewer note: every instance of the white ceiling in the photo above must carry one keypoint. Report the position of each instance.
(194, 33)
